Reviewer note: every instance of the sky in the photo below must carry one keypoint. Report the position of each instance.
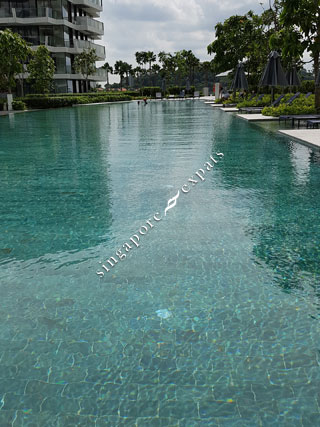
(169, 25)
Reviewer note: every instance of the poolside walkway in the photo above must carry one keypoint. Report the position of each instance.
(256, 117)
(229, 109)
(309, 137)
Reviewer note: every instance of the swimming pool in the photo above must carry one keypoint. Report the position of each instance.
(213, 320)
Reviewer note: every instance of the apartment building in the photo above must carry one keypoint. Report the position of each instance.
(65, 27)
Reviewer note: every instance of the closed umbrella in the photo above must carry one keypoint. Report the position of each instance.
(318, 79)
(240, 80)
(292, 77)
(273, 74)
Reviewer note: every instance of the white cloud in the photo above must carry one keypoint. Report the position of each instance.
(169, 25)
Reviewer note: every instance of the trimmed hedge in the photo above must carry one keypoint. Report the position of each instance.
(149, 91)
(172, 90)
(307, 86)
(88, 94)
(299, 106)
(266, 100)
(3, 101)
(18, 105)
(67, 101)
(175, 90)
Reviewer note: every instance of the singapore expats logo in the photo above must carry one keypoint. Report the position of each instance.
(135, 240)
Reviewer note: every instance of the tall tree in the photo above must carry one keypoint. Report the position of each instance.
(206, 68)
(122, 68)
(305, 14)
(191, 62)
(14, 51)
(155, 72)
(150, 58)
(41, 68)
(109, 70)
(140, 58)
(241, 38)
(85, 63)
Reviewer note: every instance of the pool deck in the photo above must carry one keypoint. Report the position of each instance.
(310, 137)
(256, 117)
(230, 109)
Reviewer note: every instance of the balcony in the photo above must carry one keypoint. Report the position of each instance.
(89, 26)
(31, 16)
(93, 7)
(59, 45)
(80, 45)
(5, 13)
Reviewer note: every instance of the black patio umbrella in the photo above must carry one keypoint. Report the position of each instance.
(163, 85)
(318, 79)
(292, 77)
(240, 80)
(273, 74)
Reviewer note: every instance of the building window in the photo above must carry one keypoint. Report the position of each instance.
(70, 86)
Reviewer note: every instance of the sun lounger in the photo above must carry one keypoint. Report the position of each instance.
(299, 118)
(313, 123)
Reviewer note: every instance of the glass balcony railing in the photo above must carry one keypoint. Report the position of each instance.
(90, 24)
(39, 12)
(96, 2)
(5, 13)
(85, 44)
(88, 3)
(100, 72)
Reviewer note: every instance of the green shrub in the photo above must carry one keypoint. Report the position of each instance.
(149, 91)
(176, 90)
(3, 102)
(307, 86)
(68, 101)
(18, 105)
(48, 102)
(85, 94)
(266, 100)
(299, 106)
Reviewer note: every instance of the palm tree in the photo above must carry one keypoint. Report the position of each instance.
(140, 58)
(169, 64)
(150, 57)
(180, 66)
(155, 71)
(120, 69)
(109, 69)
(127, 68)
(137, 72)
(191, 62)
(206, 67)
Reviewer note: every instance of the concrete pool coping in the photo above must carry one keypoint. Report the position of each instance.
(101, 103)
(309, 137)
(256, 117)
(229, 109)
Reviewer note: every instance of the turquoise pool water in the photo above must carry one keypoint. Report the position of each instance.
(213, 321)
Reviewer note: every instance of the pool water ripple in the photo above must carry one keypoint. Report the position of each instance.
(213, 320)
